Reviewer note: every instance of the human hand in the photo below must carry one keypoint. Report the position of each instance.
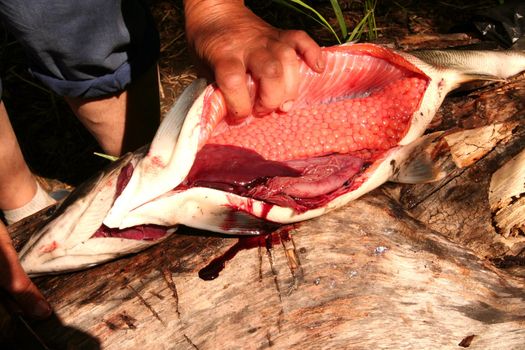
(234, 42)
(15, 282)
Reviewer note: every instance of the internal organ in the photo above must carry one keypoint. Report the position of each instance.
(376, 120)
(298, 184)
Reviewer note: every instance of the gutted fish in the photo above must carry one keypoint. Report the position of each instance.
(353, 127)
(350, 129)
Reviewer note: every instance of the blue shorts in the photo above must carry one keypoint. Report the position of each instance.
(84, 48)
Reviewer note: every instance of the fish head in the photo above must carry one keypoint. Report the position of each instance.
(74, 237)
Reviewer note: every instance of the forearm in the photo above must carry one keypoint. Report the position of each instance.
(204, 7)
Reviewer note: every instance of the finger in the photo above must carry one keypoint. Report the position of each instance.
(230, 75)
(306, 47)
(14, 280)
(290, 63)
(267, 70)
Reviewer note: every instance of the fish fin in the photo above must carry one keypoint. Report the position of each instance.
(234, 222)
(153, 174)
(168, 132)
(418, 169)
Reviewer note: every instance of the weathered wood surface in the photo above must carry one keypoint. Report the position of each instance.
(507, 197)
(458, 206)
(366, 276)
(419, 268)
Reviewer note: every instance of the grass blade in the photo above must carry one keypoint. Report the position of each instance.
(368, 21)
(358, 30)
(370, 7)
(106, 156)
(340, 17)
(318, 17)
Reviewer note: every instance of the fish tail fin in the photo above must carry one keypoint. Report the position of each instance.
(464, 80)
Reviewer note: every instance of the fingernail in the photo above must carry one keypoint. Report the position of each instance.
(42, 309)
(320, 63)
(287, 105)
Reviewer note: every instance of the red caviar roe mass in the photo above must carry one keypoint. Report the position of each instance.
(377, 121)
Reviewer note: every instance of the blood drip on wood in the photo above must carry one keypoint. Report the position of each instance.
(268, 241)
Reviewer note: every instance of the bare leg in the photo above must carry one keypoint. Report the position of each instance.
(17, 184)
(17, 188)
(120, 123)
(123, 122)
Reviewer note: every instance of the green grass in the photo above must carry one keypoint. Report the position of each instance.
(106, 156)
(367, 24)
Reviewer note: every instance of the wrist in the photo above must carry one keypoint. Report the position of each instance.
(200, 15)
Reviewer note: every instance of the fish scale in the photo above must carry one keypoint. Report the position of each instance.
(377, 121)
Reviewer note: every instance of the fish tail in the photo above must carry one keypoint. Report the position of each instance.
(470, 65)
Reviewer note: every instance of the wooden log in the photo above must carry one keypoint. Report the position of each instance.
(366, 276)
(458, 206)
(507, 197)
(494, 103)
(435, 41)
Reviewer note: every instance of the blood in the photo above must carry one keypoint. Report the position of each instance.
(49, 248)
(268, 241)
(265, 210)
(123, 178)
(140, 232)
